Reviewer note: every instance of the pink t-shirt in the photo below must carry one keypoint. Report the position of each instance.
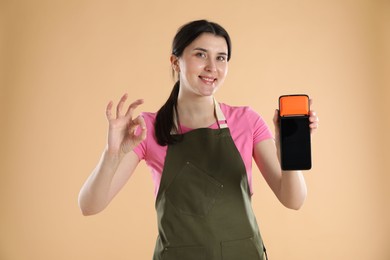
(246, 126)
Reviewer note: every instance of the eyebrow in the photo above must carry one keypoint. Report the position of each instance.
(204, 50)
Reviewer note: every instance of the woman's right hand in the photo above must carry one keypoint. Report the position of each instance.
(122, 136)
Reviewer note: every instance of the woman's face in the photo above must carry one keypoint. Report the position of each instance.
(203, 65)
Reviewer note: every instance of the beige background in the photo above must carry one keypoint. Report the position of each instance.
(62, 61)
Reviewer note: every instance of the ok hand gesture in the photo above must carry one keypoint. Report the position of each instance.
(122, 136)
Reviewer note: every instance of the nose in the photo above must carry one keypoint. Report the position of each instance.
(211, 65)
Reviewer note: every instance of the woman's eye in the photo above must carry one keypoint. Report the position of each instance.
(221, 58)
(201, 55)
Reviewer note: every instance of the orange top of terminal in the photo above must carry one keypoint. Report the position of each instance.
(293, 105)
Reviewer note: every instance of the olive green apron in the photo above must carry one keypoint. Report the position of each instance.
(204, 204)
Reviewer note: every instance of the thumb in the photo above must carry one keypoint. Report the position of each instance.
(140, 120)
(138, 129)
(276, 117)
(276, 122)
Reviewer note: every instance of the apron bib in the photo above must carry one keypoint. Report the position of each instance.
(203, 204)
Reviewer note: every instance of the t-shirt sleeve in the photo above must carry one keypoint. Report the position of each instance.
(260, 128)
(140, 150)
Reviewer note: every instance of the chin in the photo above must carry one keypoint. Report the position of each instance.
(209, 91)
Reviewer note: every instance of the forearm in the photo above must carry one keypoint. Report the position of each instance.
(293, 189)
(288, 186)
(94, 195)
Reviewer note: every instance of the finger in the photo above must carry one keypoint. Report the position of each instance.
(134, 124)
(133, 106)
(313, 123)
(108, 111)
(120, 105)
(313, 117)
(313, 127)
(310, 102)
(141, 122)
(138, 129)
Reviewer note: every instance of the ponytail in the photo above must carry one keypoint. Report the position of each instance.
(164, 118)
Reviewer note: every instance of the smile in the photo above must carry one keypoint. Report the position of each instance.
(208, 80)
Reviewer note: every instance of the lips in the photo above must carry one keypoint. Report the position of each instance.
(207, 80)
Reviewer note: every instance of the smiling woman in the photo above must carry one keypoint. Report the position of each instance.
(62, 60)
(200, 154)
(187, 35)
(201, 69)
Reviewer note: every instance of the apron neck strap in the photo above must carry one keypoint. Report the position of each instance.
(221, 120)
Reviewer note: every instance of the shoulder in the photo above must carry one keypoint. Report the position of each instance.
(239, 112)
(245, 119)
(149, 116)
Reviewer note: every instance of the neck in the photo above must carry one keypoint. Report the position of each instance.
(196, 112)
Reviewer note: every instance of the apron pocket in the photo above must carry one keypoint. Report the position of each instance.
(193, 191)
(184, 253)
(240, 249)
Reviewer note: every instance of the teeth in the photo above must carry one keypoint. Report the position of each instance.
(208, 79)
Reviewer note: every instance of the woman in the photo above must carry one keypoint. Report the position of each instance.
(200, 153)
